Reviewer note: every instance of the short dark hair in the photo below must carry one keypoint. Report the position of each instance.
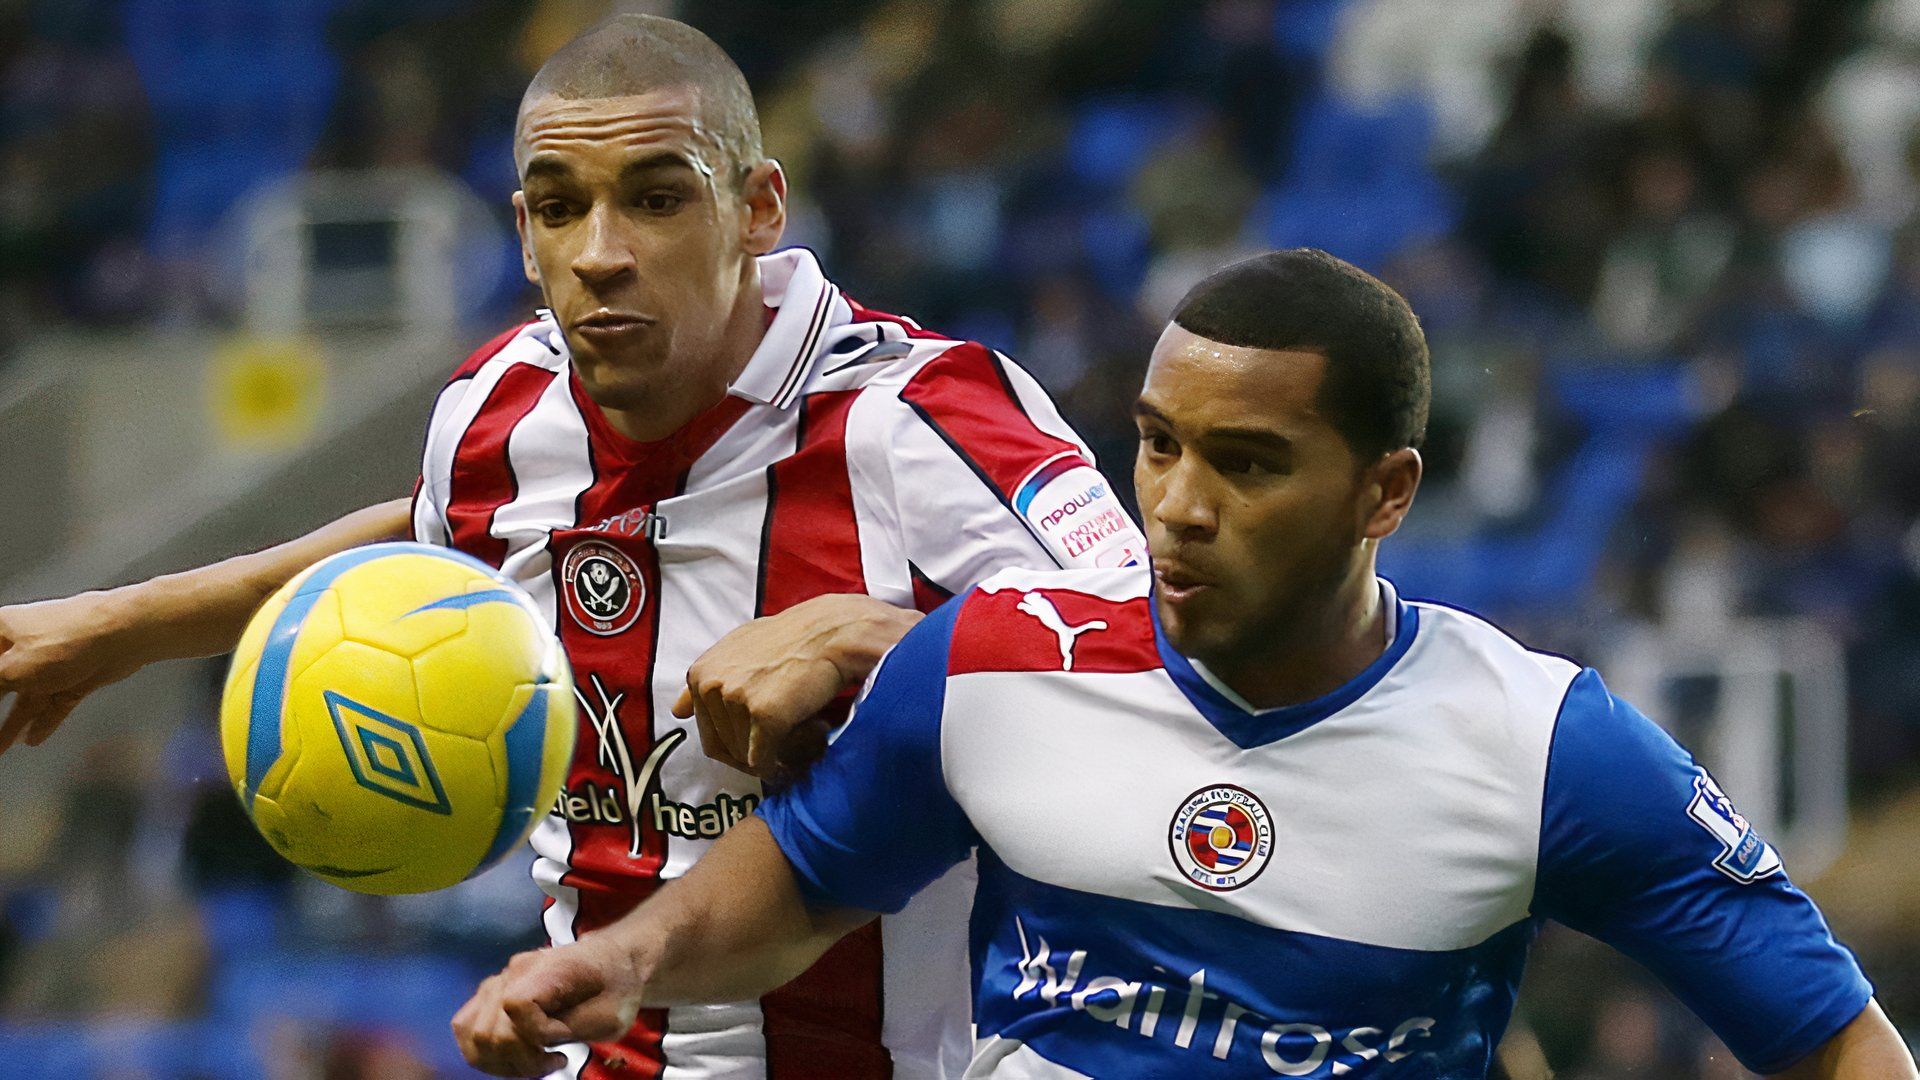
(1377, 383)
(627, 54)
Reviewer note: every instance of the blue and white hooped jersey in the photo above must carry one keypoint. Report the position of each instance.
(1171, 885)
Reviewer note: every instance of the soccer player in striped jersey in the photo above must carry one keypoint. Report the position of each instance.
(1250, 813)
(732, 488)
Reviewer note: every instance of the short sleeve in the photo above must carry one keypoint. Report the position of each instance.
(1642, 850)
(983, 475)
(431, 489)
(872, 823)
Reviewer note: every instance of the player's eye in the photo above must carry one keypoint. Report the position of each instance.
(1158, 443)
(1244, 465)
(660, 202)
(553, 212)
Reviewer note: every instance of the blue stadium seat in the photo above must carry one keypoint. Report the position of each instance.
(1365, 227)
(1305, 29)
(239, 91)
(1627, 411)
(46, 1050)
(414, 993)
(1651, 398)
(1359, 184)
(241, 921)
(1114, 241)
(1113, 136)
(141, 1048)
(1338, 145)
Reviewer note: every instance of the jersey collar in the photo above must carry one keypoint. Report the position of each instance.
(1248, 728)
(805, 306)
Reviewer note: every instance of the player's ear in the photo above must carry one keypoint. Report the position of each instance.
(527, 264)
(1389, 486)
(763, 192)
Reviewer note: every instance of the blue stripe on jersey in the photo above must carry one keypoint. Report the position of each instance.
(887, 755)
(1623, 859)
(1114, 987)
(1249, 730)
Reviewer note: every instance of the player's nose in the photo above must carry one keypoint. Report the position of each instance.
(1183, 505)
(603, 254)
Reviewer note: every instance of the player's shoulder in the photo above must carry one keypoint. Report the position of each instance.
(1500, 696)
(887, 355)
(910, 371)
(1111, 585)
(1466, 639)
(1079, 620)
(536, 341)
(1547, 708)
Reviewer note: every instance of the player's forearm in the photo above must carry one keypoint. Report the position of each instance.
(734, 928)
(203, 611)
(866, 637)
(1869, 1048)
(857, 630)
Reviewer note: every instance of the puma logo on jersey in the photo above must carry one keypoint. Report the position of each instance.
(1042, 608)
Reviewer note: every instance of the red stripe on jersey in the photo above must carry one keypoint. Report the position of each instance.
(965, 396)
(826, 1024)
(995, 633)
(811, 542)
(636, 1055)
(482, 479)
(604, 867)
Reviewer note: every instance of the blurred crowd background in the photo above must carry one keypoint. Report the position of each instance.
(1667, 253)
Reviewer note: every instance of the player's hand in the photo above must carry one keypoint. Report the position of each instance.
(584, 992)
(56, 652)
(756, 693)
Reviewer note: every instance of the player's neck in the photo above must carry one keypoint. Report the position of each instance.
(1315, 655)
(674, 406)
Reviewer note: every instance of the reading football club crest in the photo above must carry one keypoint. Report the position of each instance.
(1222, 837)
(603, 589)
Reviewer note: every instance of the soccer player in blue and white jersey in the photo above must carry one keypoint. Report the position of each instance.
(1250, 813)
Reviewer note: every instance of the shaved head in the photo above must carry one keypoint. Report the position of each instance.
(627, 55)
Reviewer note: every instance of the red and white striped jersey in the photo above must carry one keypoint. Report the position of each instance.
(856, 452)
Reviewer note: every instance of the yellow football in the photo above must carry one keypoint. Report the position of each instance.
(397, 718)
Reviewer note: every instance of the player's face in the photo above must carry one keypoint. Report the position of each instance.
(1257, 511)
(634, 227)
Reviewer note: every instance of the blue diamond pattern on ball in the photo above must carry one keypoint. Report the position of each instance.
(386, 757)
(387, 754)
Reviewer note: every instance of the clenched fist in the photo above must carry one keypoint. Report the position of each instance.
(757, 692)
(583, 992)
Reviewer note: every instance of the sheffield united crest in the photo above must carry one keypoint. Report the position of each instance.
(1222, 837)
(603, 590)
